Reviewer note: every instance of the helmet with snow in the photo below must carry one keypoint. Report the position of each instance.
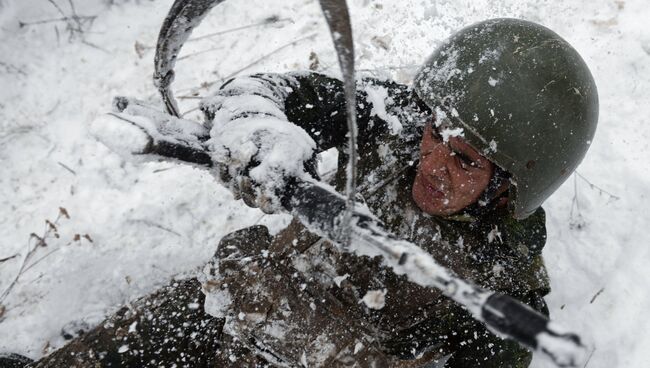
(523, 97)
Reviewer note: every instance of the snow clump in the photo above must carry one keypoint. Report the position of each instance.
(375, 299)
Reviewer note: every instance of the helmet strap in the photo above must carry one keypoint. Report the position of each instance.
(494, 187)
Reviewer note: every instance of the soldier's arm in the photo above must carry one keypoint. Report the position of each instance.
(261, 130)
(134, 127)
(312, 101)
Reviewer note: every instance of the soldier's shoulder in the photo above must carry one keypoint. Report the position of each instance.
(526, 236)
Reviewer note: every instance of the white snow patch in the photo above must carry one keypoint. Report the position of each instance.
(492, 145)
(497, 269)
(133, 327)
(357, 347)
(217, 302)
(378, 96)
(446, 133)
(375, 299)
(339, 279)
(123, 138)
(493, 235)
(276, 329)
(303, 359)
(321, 350)
(489, 55)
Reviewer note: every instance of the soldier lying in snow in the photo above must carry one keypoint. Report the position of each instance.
(498, 118)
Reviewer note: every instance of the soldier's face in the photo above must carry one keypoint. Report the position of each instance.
(451, 175)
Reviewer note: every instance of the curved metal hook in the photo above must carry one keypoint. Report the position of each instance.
(185, 15)
(179, 23)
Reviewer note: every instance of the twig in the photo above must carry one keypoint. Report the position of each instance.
(74, 23)
(67, 167)
(40, 259)
(57, 7)
(58, 35)
(153, 224)
(596, 295)
(74, 12)
(22, 24)
(264, 57)
(259, 219)
(589, 359)
(88, 43)
(8, 258)
(15, 131)
(575, 222)
(190, 111)
(268, 21)
(30, 253)
(189, 97)
(396, 67)
(599, 189)
(56, 106)
(257, 61)
(75, 17)
(199, 53)
(12, 68)
(265, 22)
(50, 227)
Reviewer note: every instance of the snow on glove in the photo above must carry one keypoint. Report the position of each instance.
(257, 154)
(135, 128)
(252, 142)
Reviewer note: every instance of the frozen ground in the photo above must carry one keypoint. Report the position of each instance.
(149, 221)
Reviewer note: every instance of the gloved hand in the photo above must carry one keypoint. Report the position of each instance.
(255, 155)
(136, 128)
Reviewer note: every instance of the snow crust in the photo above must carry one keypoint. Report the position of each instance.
(281, 148)
(153, 221)
(377, 96)
(375, 299)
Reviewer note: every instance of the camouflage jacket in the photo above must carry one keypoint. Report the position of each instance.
(296, 300)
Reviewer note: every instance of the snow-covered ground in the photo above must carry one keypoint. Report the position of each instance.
(140, 223)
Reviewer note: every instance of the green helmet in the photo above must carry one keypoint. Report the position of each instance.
(524, 98)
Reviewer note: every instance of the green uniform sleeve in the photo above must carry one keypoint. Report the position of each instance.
(313, 101)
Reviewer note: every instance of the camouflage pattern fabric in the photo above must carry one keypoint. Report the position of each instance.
(284, 296)
(294, 299)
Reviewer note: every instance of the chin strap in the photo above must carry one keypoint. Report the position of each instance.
(494, 188)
